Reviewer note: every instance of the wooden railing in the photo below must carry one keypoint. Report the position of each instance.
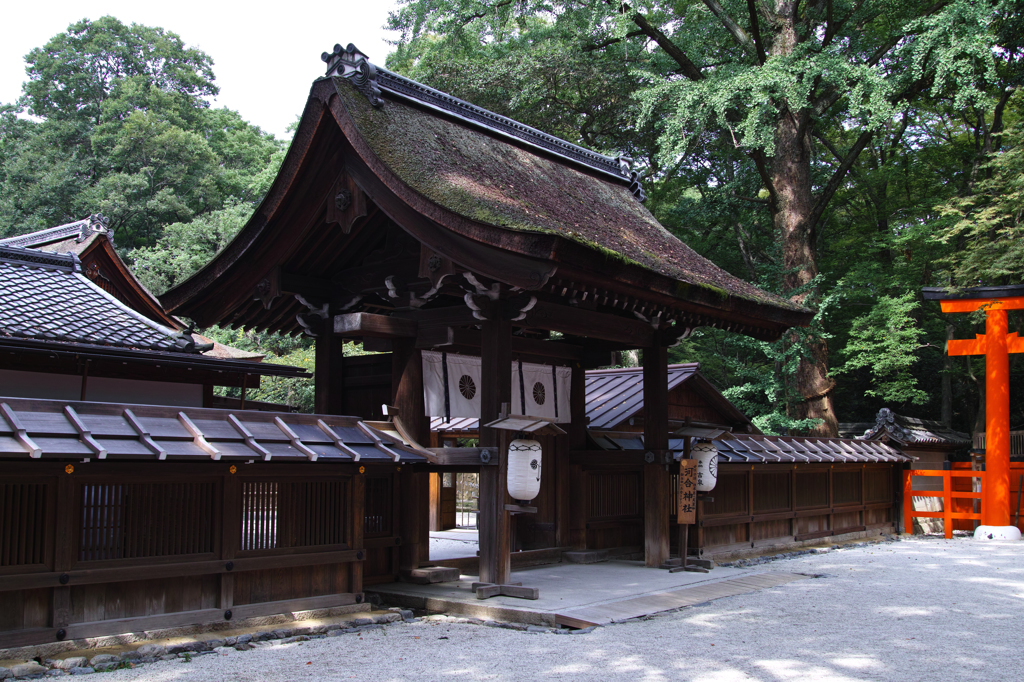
(1016, 441)
(947, 494)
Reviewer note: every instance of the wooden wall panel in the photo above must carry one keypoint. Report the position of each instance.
(731, 534)
(254, 587)
(21, 609)
(730, 495)
(878, 485)
(812, 524)
(771, 491)
(143, 598)
(846, 520)
(846, 487)
(779, 529)
(811, 489)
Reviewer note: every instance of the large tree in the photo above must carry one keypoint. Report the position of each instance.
(123, 126)
(773, 99)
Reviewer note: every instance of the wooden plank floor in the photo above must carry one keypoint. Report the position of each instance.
(602, 614)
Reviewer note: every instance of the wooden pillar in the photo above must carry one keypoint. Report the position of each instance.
(329, 374)
(657, 481)
(64, 548)
(493, 522)
(358, 497)
(407, 396)
(995, 505)
(230, 536)
(568, 476)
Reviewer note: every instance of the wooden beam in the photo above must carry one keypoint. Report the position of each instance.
(435, 336)
(569, 320)
(294, 283)
(370, 324)
(657, 481)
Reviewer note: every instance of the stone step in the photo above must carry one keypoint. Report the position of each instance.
(426, 575)
(585, 556)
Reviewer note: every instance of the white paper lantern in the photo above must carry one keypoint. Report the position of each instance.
(707, 465)
(524, 459)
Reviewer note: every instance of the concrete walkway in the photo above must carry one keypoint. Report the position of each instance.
(563, 588)
(455, 543)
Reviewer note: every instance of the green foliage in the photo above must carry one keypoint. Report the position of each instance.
(988, 226)
(184, 248)
(295, 351)
(125, 128)
(885, 341)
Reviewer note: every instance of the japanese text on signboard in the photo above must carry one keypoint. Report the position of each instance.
(686, 500)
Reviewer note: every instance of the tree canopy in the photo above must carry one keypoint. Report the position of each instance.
(122, 124)
(823, 150)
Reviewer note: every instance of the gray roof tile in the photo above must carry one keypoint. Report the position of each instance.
(44, 296)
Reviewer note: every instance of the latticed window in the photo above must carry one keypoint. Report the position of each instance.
(22, 523)
(281, 514)
(140, 520)
(379, 510)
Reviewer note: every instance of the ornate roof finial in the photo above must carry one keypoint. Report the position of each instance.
(352, 64)
(97, 223)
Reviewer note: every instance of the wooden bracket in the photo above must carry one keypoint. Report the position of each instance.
(293, 438)
(197, 436)
(20, 434)
(249, 439)
(143, 434)
(83, 433)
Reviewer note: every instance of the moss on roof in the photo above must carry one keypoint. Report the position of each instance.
(496, 182)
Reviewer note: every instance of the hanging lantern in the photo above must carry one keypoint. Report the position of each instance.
(524, 459)
(707, 465)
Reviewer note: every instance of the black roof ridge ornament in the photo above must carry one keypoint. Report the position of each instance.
(372, 81)
(355, 66)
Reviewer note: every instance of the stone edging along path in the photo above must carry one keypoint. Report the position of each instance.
(189, 650)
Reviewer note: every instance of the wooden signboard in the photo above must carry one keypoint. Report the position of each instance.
(686, 500)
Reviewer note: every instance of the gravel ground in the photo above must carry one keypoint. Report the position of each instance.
(920, 609)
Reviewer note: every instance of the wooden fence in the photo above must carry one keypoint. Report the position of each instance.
(950, 511)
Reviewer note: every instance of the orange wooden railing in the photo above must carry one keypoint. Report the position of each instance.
(948, 494)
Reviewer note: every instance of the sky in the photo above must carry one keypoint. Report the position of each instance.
(265, 57)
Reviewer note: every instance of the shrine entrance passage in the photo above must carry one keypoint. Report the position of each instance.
(948, 494)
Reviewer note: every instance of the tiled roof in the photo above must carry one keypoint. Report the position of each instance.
(615, 395)
(46, 297)
(911, 431)
(69, 235)
(767, 449)
(40, 429)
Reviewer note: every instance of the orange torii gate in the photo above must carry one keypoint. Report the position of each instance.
(996, 345)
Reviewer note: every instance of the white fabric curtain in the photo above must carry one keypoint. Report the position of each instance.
(546, 388)
(547, 391)
(463, 384)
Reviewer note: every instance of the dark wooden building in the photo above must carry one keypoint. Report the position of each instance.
(67, 334)
(411, 220)
(407, 217)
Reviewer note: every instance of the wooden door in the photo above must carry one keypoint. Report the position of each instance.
(448, 501)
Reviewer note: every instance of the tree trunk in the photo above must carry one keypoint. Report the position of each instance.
(947, 383)
(791, 177)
